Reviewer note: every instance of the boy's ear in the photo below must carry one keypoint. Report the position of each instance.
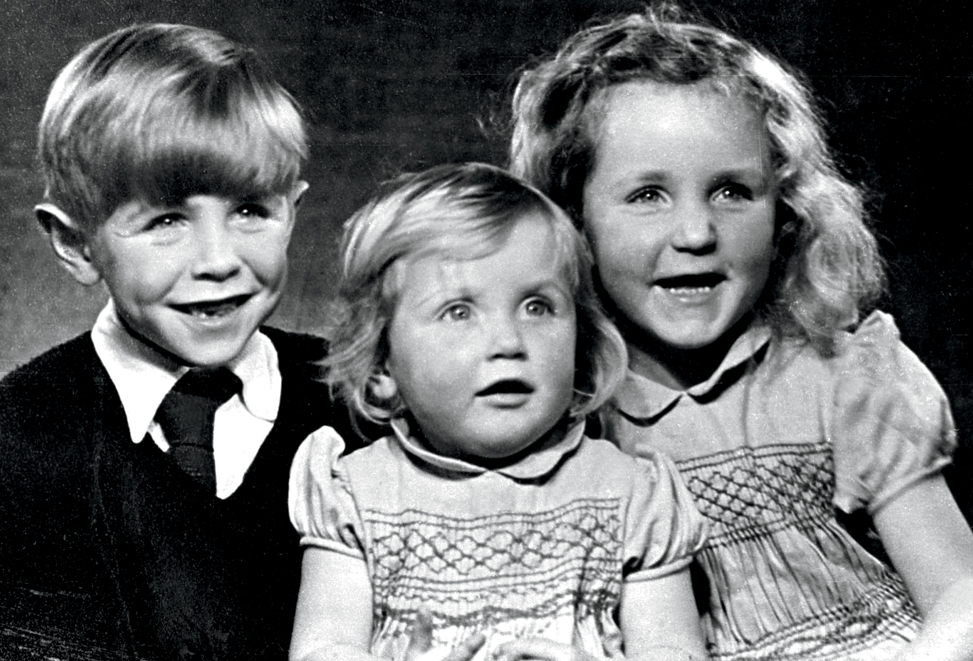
(69, 242)
(297, 193)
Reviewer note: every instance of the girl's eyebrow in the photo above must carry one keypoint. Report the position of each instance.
(758, 178)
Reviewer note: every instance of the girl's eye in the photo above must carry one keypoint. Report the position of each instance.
(538, 308)
(734, 192)
(456, 312)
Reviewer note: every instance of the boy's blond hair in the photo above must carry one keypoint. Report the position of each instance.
(160, 112)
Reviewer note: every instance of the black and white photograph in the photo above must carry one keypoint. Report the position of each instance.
(453, 330)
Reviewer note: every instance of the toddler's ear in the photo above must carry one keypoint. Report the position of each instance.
(382, 387)
(69, 242)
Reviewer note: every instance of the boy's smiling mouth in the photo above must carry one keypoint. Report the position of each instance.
(212, 309)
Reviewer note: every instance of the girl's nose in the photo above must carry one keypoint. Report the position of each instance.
(695, 228)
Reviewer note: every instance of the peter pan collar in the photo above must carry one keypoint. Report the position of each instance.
(535, 465)
(642, 398)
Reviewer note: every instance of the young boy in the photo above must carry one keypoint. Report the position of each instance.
(141, 519)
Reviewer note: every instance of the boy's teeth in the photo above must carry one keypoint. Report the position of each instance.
(208, 311)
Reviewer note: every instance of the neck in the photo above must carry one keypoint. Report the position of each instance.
(676, 367)
(552, 437)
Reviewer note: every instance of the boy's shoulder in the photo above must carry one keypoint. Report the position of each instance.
(298, 354)
(54, 407)
(67, 369)
(73, 370)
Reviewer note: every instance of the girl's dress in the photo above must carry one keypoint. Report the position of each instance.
(537, 548)
(778, 446)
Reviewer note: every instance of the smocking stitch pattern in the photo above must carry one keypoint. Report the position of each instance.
(750, 495)
(480, 571)
(750, 492)
(884, 613)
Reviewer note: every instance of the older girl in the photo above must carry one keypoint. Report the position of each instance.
(736, 262)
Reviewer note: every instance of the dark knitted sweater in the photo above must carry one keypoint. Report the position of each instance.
(108, 551)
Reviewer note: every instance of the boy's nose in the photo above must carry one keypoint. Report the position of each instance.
(216, 255)
(695, 228)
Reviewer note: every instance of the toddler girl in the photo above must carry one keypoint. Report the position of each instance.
(468, 319)
(736, 262)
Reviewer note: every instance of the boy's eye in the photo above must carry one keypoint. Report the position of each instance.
(456, 312)
(253, 210)
(538, 308)
(164, 221)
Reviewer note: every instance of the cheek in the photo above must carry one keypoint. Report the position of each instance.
(143, 276)
(756, 247)
(418, 364)
(609, 255)
(269, 263)
(560, 351)
(622, 247)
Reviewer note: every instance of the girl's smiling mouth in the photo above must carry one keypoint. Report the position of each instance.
(691, 284)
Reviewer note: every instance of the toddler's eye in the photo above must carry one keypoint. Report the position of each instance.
(456, 312)
(538, 308)
(648, 195)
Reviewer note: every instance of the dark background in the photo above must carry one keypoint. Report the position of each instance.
(403, 84)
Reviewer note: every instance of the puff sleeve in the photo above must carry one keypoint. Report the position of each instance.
(322, 507)
(663, 527)
(892, 421)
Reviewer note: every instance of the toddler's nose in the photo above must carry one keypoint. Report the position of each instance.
(507, 339)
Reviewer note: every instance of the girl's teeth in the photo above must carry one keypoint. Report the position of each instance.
(687, 291)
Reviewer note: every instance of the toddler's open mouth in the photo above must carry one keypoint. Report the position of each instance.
(506, 387)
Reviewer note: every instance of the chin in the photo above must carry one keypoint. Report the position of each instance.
(219, 354)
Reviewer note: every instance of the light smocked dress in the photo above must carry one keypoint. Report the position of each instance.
(774, 445)
(538, 548)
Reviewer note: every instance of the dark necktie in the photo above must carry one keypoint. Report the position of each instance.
(186, 417)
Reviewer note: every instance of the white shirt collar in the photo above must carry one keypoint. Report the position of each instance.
(143, 376)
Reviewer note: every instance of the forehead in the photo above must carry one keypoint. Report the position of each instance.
(530, 254)
(669, 121)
